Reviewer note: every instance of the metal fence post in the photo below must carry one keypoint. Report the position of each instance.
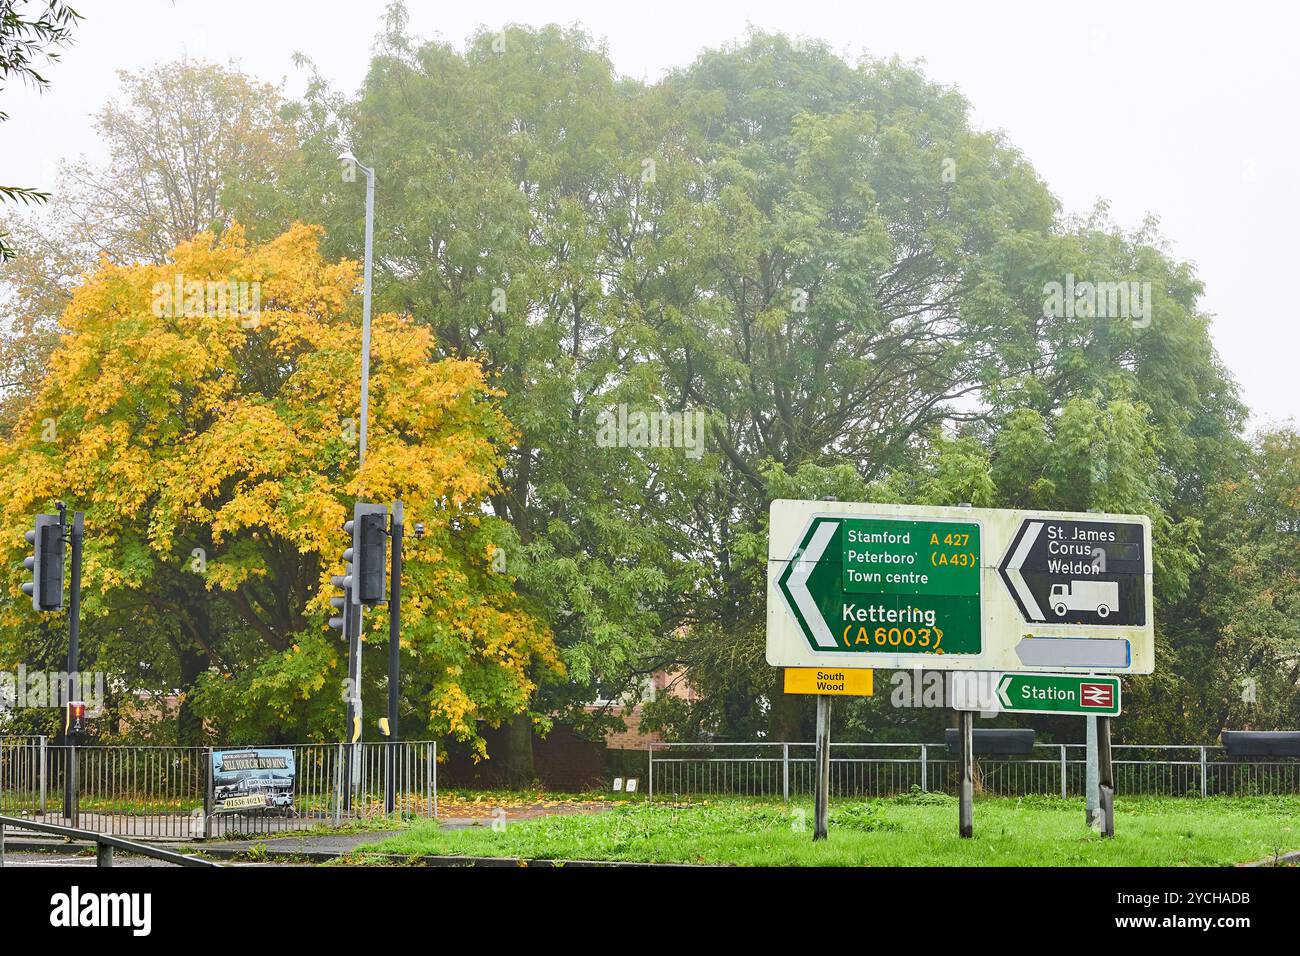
(433, 762)
(1204, 788)
(925, 769)
(1064, 771)
(209, 794)
(44, 757)
(338, 784)
(650, 771)
(74, 787)
(785, 772)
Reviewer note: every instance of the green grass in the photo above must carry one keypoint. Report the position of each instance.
(910, 830)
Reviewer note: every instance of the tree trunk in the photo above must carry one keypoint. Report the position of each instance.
(520, 772)
(193, 661)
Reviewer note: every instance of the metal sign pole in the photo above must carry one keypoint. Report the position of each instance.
(355, 730)
(353, 714)
(71, 783)
(1091, 802)
(966, 812)
(1105, 777)
(394, 654)
(821, 798)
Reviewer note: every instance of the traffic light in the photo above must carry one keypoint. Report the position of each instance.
(75, 721)
(340, 602)
(369, 530)
(46, 563)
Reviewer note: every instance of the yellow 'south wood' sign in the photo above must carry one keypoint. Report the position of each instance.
(842, 681)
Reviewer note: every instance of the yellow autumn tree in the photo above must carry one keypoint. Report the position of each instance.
(203, 414)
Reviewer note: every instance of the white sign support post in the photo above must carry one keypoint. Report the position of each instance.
(1105, 778)
(966, 813)
(821, 799)
(822, 793)
(1091, 802)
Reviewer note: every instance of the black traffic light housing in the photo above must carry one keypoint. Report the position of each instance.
(369, 530)
(340, 602)
(46, 563)
(75, 719)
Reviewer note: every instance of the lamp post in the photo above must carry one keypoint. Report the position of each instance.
(350, 166)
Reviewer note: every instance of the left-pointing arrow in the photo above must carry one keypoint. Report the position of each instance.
(797, 584)
(1002, 691)
(1012, 571)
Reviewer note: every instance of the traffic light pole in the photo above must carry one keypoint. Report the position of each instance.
(346, 620)
(395, 621)
(74, 653)
(394, 653)
(353, 613)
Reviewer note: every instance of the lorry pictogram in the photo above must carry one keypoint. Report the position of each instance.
(1095, 597)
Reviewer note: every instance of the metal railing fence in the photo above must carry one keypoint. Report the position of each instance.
(772, 769)
(104, 844)
(22, 774)
(167, 792)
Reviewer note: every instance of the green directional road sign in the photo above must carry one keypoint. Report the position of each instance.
(883, 585)
(868, 584)
(993, 692)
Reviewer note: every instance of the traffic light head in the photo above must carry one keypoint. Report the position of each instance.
(340, 602)
(76, 721)
(370, 551)
(46, 563)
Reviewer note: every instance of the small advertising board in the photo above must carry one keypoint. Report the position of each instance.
(252, 780)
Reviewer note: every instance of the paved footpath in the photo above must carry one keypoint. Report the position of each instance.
(72, 861)
(35, 850)
(315, 847)
(326, 846)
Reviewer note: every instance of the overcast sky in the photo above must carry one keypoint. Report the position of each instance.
(1183, 110)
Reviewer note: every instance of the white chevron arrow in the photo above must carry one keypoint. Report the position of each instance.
(1017, 579)
(797, 584)
(1002, 691)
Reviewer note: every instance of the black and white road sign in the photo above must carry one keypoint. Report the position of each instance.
(1078, 572)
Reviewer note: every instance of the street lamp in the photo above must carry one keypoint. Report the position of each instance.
(349, 166)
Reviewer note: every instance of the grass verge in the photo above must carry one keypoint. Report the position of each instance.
(910, 830)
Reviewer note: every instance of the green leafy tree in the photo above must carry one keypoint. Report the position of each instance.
(864, 313)
(192, 146)
(508, 183)
(1241, 668)
(212, 448)
(27, 38)
(845, 294)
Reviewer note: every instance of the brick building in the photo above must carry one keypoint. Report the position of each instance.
(672, 682)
